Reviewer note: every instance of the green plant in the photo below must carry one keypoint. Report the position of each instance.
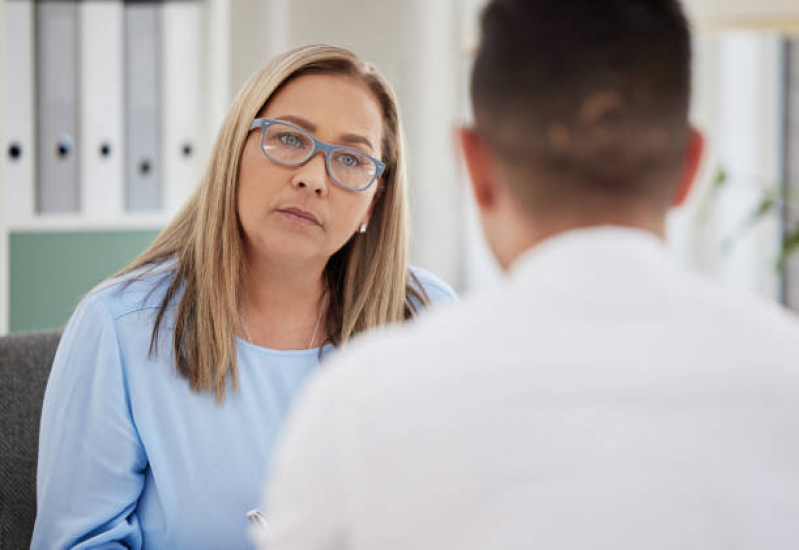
(768, 203)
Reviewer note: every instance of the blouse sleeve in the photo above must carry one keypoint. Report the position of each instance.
(436, 291)
(91, 460)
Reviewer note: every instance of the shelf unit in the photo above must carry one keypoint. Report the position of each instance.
(228, 56)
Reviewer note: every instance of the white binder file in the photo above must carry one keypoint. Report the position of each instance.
(57, 106)
(143, 168)
(181, 23)
(101, 109)
(18, 145)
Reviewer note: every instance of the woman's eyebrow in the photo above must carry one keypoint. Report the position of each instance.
(298, 121)
(307, 125)
(356, 138)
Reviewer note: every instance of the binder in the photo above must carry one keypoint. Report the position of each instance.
(143, 169)
(56, 106)
(101, 108)
(181, 25)
(790, 173)
(18, 139)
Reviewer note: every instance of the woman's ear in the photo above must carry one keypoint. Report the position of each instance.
(372, 203)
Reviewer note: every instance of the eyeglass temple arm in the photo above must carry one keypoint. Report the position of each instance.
(257, 123)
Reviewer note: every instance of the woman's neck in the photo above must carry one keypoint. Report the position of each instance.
(281, 305)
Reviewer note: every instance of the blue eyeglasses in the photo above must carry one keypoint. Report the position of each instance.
(290, 145)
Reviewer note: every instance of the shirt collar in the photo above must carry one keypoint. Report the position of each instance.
(591, 248)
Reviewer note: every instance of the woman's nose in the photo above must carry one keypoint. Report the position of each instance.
(312, 175)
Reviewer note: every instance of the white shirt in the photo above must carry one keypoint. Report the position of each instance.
(601, 398)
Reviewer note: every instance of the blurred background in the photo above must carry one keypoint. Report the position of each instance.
(109, 108)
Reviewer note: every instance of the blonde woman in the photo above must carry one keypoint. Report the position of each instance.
(173, 379)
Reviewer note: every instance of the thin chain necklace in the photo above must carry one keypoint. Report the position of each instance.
(315, 330)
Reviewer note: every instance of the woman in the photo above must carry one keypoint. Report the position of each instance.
(172, 380)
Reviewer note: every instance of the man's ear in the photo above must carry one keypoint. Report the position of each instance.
(480, 165)
(691, 163)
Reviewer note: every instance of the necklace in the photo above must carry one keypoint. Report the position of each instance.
(315, 330)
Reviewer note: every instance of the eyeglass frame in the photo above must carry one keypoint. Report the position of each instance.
(318, 145)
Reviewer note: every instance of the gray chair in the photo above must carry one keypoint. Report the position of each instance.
(25, 361)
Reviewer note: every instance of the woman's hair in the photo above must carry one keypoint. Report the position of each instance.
(367, 281)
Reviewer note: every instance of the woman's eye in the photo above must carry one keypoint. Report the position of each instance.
(290, 140)
(350, 161)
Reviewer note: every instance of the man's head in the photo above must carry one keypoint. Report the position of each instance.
(581, 112)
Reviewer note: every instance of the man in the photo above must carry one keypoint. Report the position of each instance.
(603, 397)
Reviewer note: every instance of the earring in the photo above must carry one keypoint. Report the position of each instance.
(362, 228)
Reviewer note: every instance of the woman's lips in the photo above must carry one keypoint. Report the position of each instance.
(300, 216)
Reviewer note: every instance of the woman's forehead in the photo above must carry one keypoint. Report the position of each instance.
(331, 103)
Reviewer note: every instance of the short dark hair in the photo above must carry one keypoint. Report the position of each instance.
(586, 99)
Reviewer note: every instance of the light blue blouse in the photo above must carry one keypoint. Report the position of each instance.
(130, 457)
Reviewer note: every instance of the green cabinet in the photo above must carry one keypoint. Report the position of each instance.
(49, 272)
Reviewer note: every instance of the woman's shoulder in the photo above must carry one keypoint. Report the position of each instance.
(143, 288)
(433, 287)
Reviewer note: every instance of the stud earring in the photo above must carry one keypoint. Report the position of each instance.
(362, 228)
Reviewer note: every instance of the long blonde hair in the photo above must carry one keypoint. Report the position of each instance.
(368, 281)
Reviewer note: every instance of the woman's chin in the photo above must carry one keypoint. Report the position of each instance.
(292, 250)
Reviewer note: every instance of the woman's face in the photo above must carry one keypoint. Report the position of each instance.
(297, 213)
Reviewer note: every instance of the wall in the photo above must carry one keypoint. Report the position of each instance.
(770, 14)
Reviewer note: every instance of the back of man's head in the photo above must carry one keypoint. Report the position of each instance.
(584, 103)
